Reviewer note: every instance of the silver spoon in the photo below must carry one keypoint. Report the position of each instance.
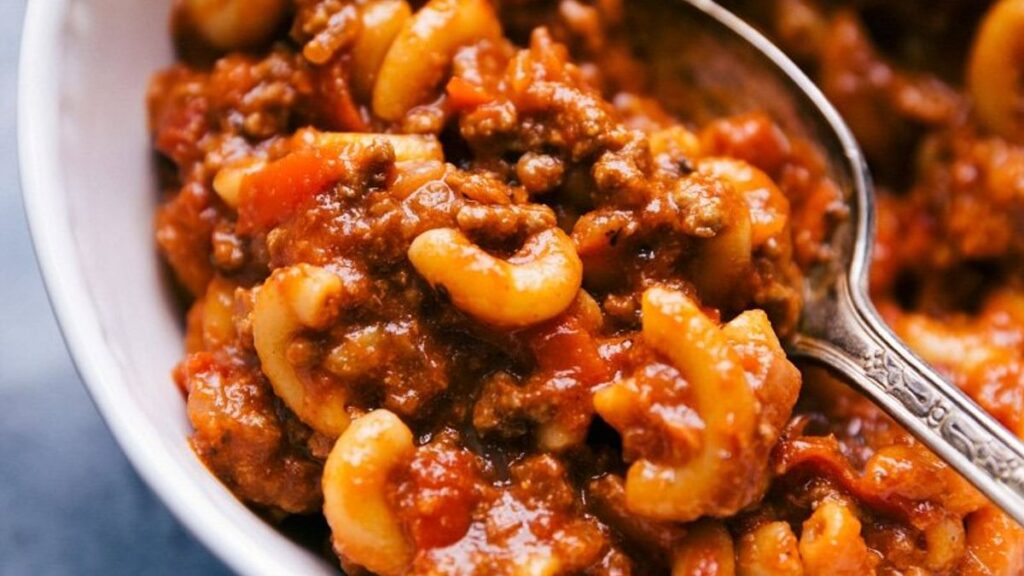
(727, 68)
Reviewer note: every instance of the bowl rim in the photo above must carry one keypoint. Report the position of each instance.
(44, 197)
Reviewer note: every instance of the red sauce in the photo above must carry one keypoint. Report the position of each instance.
(513, 467)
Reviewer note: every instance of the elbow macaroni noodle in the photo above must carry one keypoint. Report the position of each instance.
(364, 527)
(536, 284)
(769, 550)
(415, 61)
(996, 70)
(236, 24)
(718, 480)
(382, 21)
(706, 549)
(831, 543)
(291, 301)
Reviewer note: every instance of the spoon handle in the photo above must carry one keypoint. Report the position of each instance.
(846, 334)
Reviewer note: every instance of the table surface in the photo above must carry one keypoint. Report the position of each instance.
(69, 501)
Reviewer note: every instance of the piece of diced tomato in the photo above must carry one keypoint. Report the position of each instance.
(463, 95)
(270, 196)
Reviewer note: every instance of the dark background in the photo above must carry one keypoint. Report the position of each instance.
(69, 501)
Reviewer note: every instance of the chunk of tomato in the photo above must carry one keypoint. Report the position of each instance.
(270, 196)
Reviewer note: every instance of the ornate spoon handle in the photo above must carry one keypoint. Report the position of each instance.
(847, 335)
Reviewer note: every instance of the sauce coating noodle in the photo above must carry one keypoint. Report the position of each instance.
(462, 285)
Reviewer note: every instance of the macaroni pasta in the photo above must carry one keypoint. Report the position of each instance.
(461, 284)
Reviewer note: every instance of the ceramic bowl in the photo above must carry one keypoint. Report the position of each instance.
(89, 184)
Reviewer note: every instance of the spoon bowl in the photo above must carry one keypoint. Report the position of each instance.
(722, 66)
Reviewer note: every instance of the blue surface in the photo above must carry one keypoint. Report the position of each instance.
(69, 501)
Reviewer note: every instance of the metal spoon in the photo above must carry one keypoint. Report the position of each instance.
(726, 67)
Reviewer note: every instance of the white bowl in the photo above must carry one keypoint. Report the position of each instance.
(90, 192)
